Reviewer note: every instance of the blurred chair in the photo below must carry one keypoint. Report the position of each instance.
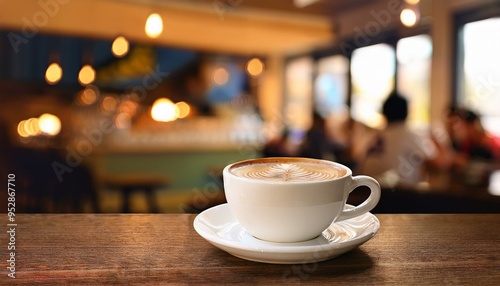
(128, 183)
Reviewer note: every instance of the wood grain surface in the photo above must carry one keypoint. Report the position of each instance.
(162, 249)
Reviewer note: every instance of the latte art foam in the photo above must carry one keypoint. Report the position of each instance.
(288, 172)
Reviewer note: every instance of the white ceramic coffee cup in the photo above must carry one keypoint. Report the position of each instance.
(297, 210)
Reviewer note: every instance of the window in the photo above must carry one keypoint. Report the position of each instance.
(414, 68)
(298, 88)
(478, 84)
(372, 78)
(331, 84)
(373, 75)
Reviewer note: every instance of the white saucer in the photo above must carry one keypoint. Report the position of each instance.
(218, 226)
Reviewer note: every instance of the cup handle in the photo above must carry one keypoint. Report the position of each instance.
(369, 203)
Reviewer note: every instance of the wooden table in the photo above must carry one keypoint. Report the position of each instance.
(159, 249)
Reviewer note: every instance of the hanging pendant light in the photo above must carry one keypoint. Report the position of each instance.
(154, 25)
(120, 46)
(53, 74)
(409, 16)
(255, 67)
(86, 75)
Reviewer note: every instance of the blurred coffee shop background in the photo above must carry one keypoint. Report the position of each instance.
(137, 105)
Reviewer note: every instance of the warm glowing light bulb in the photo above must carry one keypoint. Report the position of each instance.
(412, 2)
(255, 67)
(49, 124)
(408, 17)
(220, 76)
(53, 74)
(154, 25)
(182, 109)
(120, 46)
(86, 75)
(164, 110)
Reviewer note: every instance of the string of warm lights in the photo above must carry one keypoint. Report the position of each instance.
(254, 68)
(162, 110)
(47, 124)
(120, 47)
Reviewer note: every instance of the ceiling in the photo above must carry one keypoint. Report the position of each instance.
(325, 8)
(232, 26)
(235, 27)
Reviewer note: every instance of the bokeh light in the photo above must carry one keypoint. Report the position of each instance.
(86, 75)
(32, 126)
(53, 74)
(21, 129)
(109, 104)
(154, 25)
(220, 76)
(123, 121)
(29, 127)
(120, 46)
(183, 109)
(88, 95)
(49, 124)
(408, 17)
(255, 67)
(128, 106)
(164, 110)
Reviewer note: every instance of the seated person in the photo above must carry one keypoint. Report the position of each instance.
(398, 153)
(469, 139)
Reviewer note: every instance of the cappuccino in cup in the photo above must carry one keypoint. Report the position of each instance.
(292, 199)
(291, 170)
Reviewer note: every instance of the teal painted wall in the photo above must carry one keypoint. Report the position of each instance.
(184, 170)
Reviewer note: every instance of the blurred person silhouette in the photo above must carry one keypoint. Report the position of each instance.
(315, 143)
(469, 139)
(275, 146)
(455, 127)
(312, 143)
(326, 139)
(283, 145)
(339, 129)
(397, 154)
